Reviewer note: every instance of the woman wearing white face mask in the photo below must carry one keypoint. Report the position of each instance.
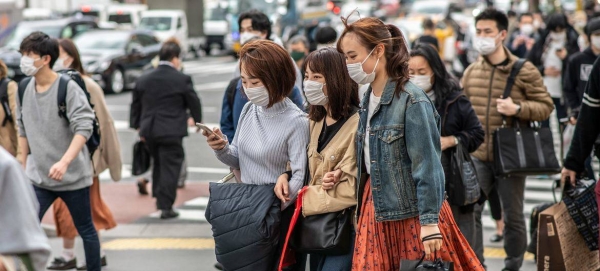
(333, 99)
(401, 210)
(460, 124)
(272, 131)
(551, 53)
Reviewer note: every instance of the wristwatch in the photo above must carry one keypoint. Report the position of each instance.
(455, 141)
(518, 109)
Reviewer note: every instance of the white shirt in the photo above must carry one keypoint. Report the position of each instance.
(553, 84)
(373, 103)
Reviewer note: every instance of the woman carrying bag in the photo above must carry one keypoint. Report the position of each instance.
(272, 133)
(401, 215)
(331, 184)
(461, 130)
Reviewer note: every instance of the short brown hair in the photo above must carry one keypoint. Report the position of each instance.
(272, 65)
(3, 69)
(69, 47)
(342, 92)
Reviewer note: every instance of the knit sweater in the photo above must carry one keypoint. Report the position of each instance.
(265, 141)
(49, 136)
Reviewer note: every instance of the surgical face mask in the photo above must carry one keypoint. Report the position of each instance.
(485, 45)
(59, 65)
(595, 41)
(28, 67)
(422, 81)
(296, 55)
(246, 36)
(258, 95)
(558, 36)
(314, 93)
(357, 73)
(527, 29)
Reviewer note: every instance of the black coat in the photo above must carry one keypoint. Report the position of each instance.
(579, 69)
(459, 119)
(245, 221)
(161, 99)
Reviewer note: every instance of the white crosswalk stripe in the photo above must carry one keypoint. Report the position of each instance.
(192, 210)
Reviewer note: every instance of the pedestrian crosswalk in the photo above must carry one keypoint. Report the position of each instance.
(191, 211)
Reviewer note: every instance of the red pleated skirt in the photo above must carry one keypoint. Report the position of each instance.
(381, 245)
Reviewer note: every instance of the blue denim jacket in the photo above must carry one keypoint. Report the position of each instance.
(407, 178)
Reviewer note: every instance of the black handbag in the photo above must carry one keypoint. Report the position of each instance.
(463, 183)
(141, 158)
(523, 149)
(327, 234)
(583, 208)
(422, 265)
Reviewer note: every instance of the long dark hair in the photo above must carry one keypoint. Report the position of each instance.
(342, 92)
(444, 83)
(372, 32)
(71, 49)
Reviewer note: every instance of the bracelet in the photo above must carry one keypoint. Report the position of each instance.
(434, 236)
(289, 174)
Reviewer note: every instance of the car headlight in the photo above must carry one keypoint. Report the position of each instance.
(92, 68)
(10, 73)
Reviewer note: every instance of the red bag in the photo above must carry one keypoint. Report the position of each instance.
(287, 257)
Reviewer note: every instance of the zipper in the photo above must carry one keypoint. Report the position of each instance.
(446, 113)
(487, 114)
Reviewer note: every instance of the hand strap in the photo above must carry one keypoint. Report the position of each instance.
(511, 81)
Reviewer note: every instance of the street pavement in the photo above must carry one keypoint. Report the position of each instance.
(143, 242)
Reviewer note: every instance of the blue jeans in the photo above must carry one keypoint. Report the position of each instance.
(319, 262)
(78, 203)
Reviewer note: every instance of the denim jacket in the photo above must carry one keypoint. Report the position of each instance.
(407, 178)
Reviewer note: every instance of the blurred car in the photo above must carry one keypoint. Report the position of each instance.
(61, 28)
(364, 9)
(436, 10)
(115, 59)
(413, 27)
(166, 24)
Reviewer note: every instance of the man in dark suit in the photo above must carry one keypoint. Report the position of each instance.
(159, 111)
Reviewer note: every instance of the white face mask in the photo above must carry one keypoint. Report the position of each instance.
(357, 73)
(59, 65)
(422, 81)
(246, 36)
(28, 67)
(558, 37)
(314, 93)
(595, 41)
(485, 45)
(526, 29)
(258, 95)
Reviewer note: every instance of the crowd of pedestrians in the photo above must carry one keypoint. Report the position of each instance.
(362, 129)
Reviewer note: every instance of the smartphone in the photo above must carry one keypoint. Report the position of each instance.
(205, 128)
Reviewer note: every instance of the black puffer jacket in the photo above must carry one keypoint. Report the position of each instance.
(245, 222)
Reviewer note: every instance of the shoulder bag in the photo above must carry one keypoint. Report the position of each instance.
(523, 149)
(463, 183)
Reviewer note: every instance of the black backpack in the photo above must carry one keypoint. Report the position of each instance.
(4, 101)
(66, 76)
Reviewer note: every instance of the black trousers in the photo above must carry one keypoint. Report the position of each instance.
(167, 155)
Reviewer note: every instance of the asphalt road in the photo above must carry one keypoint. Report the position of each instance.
(145, 243)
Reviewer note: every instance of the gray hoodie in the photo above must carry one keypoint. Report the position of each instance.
(20, 230)
(50, 136)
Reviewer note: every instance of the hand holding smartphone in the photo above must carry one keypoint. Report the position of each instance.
(205, 128)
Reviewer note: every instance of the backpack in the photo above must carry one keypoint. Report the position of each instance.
(4, 102)
(65, 76)
(230, 90)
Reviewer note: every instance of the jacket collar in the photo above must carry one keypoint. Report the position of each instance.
(388, 92)
(506, 68)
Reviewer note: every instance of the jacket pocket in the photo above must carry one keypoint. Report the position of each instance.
(391, 135)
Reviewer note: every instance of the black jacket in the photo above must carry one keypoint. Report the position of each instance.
(587, 129)
(579, 68)
(160, 101)
(535, 55)
(459, 119)
(245, 221)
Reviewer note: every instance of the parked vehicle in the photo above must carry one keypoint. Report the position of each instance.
(115, 59)
(216, 25)
(32, 14)
(127, 16)
(61, 28)
(166, 24)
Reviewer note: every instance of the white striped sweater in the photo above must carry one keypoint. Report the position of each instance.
(265, 140)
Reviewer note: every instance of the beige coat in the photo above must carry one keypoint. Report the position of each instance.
(9, 133)
(340, 153)
(483, 84)
(108, 154)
